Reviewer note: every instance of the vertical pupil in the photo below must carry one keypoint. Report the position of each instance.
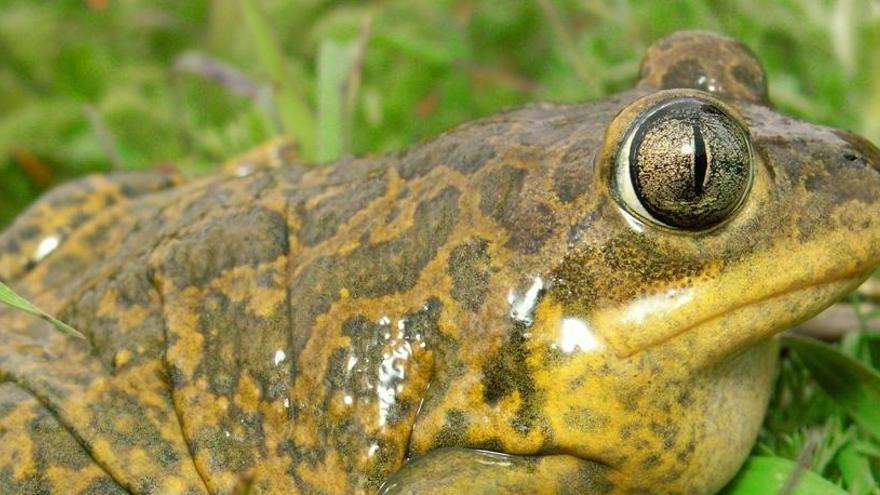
(700, 160)
(689, 164)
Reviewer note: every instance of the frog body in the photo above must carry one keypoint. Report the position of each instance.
(499, 309)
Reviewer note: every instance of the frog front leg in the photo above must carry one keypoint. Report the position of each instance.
(38, 454)
(451, 471)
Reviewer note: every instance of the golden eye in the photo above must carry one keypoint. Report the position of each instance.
(685, 164)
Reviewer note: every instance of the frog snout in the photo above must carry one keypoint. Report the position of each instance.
(859, 153)
(865, 158)
(874, 163)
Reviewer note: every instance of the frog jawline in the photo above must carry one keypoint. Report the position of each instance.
(838, 285)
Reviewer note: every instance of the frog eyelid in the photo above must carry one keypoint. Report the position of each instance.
(623, 175)
(624, 184)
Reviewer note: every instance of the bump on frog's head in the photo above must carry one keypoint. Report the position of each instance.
(705, 61)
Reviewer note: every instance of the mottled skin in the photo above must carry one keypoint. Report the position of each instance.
(298, 330)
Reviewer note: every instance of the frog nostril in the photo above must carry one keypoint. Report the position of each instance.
(850, 156)
(857, 152)
(855, 159)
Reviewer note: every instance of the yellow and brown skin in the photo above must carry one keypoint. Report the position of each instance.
(479, 313)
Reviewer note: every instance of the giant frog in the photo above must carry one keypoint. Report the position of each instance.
(555, 299)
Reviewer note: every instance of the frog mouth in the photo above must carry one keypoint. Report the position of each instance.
(729, 327)
(836, 287)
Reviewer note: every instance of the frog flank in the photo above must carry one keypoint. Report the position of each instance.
(555, 299)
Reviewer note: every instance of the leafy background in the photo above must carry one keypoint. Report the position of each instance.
(101, 85)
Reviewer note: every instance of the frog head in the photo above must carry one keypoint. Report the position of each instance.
(718, 221)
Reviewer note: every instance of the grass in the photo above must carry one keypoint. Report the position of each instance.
(9, 297)
(824, 413)
(98, 85)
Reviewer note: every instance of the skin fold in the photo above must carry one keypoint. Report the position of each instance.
(486, 312)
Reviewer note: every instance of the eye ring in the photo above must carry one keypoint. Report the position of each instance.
(684, 164)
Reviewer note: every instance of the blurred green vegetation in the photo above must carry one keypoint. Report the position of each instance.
(96, 85)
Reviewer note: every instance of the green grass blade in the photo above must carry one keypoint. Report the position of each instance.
(854, 386)
(295, 114)
(768, 475)
(334, 66)
(856, 470)
(8, 296)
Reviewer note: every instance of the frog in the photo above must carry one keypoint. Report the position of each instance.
(559, 298)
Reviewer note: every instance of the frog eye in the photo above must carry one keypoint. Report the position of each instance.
(686, 164)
